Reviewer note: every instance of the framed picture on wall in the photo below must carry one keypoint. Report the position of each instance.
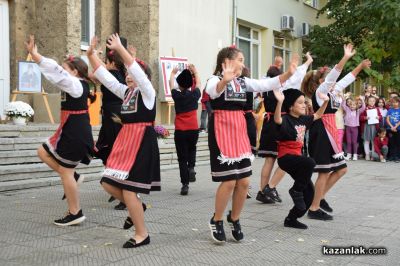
(167, 64)
(29, 77)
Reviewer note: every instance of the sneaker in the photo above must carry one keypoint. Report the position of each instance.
(355, 157)
(120, 207)
(128, 221)
(348, 157)
(184, 189)
(217, 231)
(383, 161)
(294, 223)
(236, 229)
(272, 193)
(319, 215)
(367, 158)
(79, 180)
(192, 175)
(71, 219)
(261, 197)
(298, 199)
(325, 206)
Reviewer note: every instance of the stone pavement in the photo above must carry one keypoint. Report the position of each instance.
(366, 206)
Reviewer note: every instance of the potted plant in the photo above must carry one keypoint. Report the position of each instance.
(18, 111)
(162, 133)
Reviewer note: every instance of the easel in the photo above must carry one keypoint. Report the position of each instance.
(15, 93)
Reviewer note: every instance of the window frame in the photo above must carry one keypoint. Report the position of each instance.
(92, 26)
(252, 42)
(283, 48)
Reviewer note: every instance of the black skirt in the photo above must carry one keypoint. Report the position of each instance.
(108, 132)
(268, 140)
(224, 172)
(320, 149)
(75, 142)
(144, 175)
(251, 131)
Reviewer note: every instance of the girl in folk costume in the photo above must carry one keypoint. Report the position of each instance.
(134, 163)
(369, 129)
(291, 129)
(186, 125)
(110, 107)
(323, 146)
(230, 151)
(268, 142)
(73, 141)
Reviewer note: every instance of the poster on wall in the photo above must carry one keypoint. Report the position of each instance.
(167, 64)
(29, 77)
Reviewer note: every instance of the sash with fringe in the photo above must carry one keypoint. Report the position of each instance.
(231, 135)
(125, 149)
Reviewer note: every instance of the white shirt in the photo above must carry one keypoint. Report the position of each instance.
(60, 77)
(119, 89)
(330, 84)
(252, 85)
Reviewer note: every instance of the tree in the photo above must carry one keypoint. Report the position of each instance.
(372, 26)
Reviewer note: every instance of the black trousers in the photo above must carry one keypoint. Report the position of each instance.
(300, 168)
(394, 144)
(185, 143)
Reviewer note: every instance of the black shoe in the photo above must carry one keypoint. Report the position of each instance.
(131, 243)
(192, 175)
(298, 199)
(128, 221)
(319, 215)
(294, 223)
(184, 189)
(71, 219)
(79, 179)
(236, 229)
(325, 206)
(272, 193)
(264, 198)
(120, 207)
(217, 231)
(248, 196)
(111, 199)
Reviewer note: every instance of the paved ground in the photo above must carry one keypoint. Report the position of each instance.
(366, 204)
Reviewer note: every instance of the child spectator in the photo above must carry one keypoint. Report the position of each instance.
(368, 126)
(352, 123)
(393, 125)
(380, 146)
(383, 110)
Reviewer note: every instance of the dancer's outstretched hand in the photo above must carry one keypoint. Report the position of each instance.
(229, 70)
(294, 62)
(114, 42)
(366, 63)
(280, 97)
(348, 50)
(323, 96)
(92, 48)
(31, 45)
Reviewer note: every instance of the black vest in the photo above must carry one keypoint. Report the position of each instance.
(230, 99)
(133, 109)
(270, 101)
(74, 104)
(188, 100)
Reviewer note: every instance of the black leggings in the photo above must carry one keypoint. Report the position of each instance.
(300, 168)
(185, 143)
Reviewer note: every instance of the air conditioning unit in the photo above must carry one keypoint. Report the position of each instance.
(287, 22)
(305, 29)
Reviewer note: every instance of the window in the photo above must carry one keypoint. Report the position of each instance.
(281, 48)
(313, 3)
(87, 22)
(248, 41)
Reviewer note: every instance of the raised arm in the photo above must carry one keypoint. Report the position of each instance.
(134, 70)
(296, 79)
(195, 73)
(110, 82)
(91, 53)
(325, 98)
(172, 78)
(280, 98)
(351, 77)
(54, 72)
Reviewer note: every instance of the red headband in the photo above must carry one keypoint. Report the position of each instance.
(140, 62)
(70, 58)
(233, 46)
(111, 53)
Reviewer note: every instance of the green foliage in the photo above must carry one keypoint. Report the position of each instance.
(372, 26)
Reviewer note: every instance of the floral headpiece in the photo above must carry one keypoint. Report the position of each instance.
(323, 69)
(233, 46)
(71, 58)
(110, 53)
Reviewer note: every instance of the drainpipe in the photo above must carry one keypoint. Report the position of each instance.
(234, 20)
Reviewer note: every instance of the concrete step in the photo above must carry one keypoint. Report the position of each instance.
(52, 180)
